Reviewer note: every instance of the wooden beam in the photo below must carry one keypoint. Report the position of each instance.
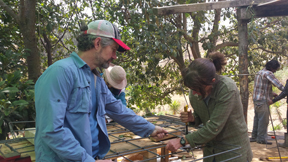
(205, 6)
(243, 61)
(263, 11)
(271, 11)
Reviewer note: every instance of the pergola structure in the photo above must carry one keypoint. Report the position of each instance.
(261, 8)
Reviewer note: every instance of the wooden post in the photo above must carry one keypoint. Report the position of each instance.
(243, 60)
(164, 151)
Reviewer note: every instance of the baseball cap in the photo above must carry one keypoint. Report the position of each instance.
(116, 77)
(106, 29)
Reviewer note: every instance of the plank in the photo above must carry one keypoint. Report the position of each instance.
(166, 10)
(24, 147)
(168, 136)
(264, 11)
(30, 134)
(127, 148)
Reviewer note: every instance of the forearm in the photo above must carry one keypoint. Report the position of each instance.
(127, 118)
(280, 96)
(275, 82)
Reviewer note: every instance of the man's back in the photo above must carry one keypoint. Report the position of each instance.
(263, 85)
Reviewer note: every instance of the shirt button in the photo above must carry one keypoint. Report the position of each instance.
(216, 130)
(88, 82)
(58, 100)
(208, 121)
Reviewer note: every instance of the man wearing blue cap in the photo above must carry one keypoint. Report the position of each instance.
(72, 100)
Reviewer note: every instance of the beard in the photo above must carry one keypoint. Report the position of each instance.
(101, 62)
(105, 65)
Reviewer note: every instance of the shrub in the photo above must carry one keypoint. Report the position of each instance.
(174, 106)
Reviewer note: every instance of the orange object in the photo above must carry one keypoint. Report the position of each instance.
(273, 137)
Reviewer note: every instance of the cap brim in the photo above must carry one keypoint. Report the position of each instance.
(122, 46)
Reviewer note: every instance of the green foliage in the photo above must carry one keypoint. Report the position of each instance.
(160, 45)
(16, 100)
(162, 113)
(16, 92)
(284, 122)
(174, 106)
(277, 127)
(267, 40)
(277, 104)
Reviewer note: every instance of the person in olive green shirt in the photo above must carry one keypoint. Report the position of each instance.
(217, 105)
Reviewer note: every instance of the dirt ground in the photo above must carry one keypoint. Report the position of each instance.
(261, 150)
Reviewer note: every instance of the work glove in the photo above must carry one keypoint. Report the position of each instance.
(283, 94)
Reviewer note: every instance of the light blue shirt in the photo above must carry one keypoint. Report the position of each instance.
(93, 121)
(63, 106)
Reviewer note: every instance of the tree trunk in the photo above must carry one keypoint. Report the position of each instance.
(243, 62)
(26, 20)
(195, 46)
(27, 28)
(214, 32)
(33, 58)
(48, 48)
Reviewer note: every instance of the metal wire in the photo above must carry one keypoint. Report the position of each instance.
(274, 134)
(166, 120)
(216, 154)
(16, 150)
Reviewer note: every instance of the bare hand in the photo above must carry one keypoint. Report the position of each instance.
(274, 94)
(158, 132)
(270, 102)
(187, 116)
(173, 145)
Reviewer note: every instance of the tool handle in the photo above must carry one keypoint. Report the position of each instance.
(185, 110)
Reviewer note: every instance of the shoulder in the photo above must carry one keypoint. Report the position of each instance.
(66, 63)
(59, 70)
(265, 72)
(225, 83)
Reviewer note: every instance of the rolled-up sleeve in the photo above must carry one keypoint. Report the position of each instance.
(51, 97)
(271, 77)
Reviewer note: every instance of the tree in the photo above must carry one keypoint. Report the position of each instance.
(161, 46)
(57, 26)
(25, 20)
(16, 92)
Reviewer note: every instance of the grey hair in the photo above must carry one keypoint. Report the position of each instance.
(86, 41)
(105, 41)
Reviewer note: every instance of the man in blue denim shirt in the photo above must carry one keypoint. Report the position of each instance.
(72, 100)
